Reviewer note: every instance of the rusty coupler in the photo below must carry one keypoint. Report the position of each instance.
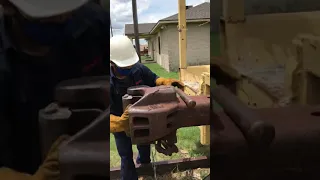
(157, 112)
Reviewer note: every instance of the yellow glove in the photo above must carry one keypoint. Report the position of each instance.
(49, 170)
(170, 82)
(120, 124)
(9, 174)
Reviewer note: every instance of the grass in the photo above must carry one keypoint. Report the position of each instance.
(188, 140)
(146, 58)
(156, 68)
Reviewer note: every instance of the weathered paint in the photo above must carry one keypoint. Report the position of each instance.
(197, 77)
(262, 41)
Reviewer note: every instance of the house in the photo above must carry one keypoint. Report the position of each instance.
(163, 42)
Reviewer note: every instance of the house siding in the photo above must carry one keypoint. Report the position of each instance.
(153, 51)
(161, 58)
(198, 45)
(150, 48)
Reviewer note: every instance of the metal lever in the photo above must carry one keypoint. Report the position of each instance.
(189, 102)
(257, 132)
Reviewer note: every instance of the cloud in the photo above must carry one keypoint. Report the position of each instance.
(149, 11)
(121, 11)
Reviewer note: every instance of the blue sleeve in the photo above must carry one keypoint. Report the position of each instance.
(105, 43)
(149, 76)
(5, 118)
(100, 32)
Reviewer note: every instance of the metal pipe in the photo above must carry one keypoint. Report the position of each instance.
(189, 102)
(258, 133)
(136, 28)
(111, 28)
(188, 117)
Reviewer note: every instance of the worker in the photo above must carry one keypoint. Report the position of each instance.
(43, 42)
(126, 71)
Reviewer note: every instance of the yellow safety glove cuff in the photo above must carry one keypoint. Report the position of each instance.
(9, 174)
(49, 170)
(120, 123)
(169, 82)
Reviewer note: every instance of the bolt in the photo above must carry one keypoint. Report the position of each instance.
(51, 108)
(127, 96)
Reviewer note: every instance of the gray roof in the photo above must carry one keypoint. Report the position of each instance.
(202, 11)
(144, 28)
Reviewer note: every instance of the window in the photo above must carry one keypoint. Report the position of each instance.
(159, 44)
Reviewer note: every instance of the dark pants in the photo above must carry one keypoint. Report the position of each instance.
(124, 146)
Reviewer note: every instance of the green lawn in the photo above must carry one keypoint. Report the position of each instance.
(145, 58)
(156, 68)
(188, 138)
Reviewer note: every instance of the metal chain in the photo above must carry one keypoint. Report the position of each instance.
(153, 160)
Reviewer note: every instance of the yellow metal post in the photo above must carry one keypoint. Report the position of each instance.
(205, 90)
(182, 28)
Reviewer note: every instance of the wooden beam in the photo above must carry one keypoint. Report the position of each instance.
(164, 167)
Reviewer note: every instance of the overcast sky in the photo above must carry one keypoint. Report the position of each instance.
(149, 11)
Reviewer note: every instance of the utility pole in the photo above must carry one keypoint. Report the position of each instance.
(136, 28)
(111, 28)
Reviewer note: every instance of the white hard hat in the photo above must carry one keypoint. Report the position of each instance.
(122, 52)
(47, 8)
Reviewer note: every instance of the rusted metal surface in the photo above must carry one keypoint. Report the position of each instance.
(186, 99)
(155, 115)
(87, 152)
(86, 92)
(294, 152)
(163, 167)
(166, 145)
(81, 110)
(157, 112)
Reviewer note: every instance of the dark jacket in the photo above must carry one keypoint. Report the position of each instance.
(27, 83)
(140, 75)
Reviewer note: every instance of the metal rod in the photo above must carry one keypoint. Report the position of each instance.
(257, 132)
(189, 102)
(187, 117)
(164, 167)
(111, 27)
(136, 28)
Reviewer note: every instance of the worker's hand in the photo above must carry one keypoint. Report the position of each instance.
(49, 170)
(120, 124)
(170, 82)
(9, 174)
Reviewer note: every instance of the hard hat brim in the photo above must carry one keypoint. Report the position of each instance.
(45, 9)
(127, 62)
